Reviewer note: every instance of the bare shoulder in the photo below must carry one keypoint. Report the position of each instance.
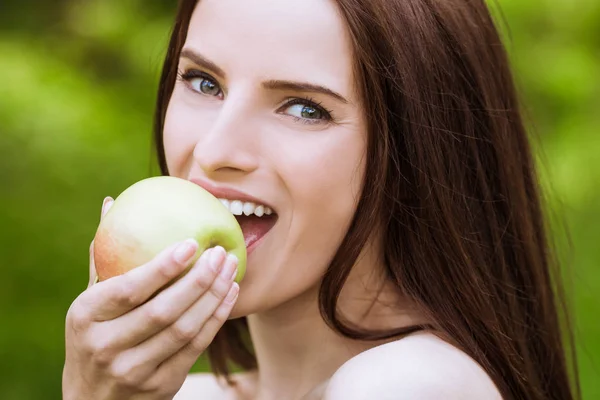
(419, 367)
(207, 386)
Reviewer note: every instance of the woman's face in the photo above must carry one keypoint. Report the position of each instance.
(266, 104)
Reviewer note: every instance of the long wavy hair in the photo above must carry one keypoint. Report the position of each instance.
(451, 180)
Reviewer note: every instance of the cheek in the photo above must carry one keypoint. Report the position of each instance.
(179, 133)
(325, 177)
(321, 174)
(177, 141)
(324, 181)
(329, 184)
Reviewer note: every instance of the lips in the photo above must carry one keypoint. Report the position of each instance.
(223, 192)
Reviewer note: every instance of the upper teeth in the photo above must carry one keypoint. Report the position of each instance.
(237, 207)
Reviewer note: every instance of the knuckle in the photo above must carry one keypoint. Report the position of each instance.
(124, 374)
(201, 282)
(220, 289)
(78, 317)
(182, 332)
(167, 268)
(127, 294)
(220, 315)
(199, 344)
(159, 314)
(101, 352)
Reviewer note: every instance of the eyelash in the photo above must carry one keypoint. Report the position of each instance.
(188, 75)
(308, 101)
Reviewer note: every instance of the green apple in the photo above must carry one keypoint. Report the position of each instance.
(156, 212)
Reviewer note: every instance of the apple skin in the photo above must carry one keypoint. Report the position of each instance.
(156, 212)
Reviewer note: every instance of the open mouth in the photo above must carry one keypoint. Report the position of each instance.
(255, 220)
(255, 228)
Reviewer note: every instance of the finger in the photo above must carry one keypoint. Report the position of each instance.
(93, 276)
(115, 296)
(142, 360)
(182, 361)
(170, 304)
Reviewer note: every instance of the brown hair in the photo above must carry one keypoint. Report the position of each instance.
(451, 178)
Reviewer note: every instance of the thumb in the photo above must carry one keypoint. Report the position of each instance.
(93, 276)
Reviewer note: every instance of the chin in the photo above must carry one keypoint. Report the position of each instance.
(256, 297)
(242, 308)
(251, 301)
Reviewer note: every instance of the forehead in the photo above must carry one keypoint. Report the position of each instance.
(274, 39)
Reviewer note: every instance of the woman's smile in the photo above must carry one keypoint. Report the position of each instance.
(255, 216)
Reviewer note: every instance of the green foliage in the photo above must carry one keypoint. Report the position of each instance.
(76, 101)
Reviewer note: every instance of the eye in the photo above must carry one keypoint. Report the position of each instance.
(306, 110)
(202, 83)
(205, 86)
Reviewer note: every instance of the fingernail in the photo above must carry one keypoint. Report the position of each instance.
(233, 293)
(107, 204)
(216, 258)
(229, 267)
(185, 251)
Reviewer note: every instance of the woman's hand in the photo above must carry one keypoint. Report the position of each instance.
(122, 343)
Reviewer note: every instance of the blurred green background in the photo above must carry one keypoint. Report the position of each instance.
(77, 87)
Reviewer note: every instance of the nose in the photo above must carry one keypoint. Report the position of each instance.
(227, 145)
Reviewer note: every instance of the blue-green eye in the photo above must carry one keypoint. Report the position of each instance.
(306, 110)
(202, 83)
(205, 86)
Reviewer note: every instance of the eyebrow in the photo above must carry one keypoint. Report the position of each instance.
(302, 87)
(202, 61)
(273, 84)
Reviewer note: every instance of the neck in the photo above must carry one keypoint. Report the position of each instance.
(296, 351)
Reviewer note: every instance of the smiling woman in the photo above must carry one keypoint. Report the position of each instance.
(404, 253)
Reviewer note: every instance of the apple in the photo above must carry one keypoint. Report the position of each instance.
(156, 212)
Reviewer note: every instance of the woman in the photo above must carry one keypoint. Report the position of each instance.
(406, 255)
